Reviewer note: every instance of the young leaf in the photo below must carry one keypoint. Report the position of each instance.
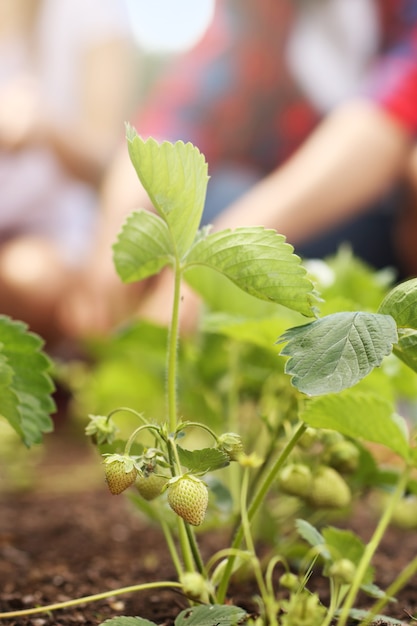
(400, 302)
(25, 384)
(203, 460)
(127, 621)
(309, 533)
(143, 247)
(359, 415)
(212, 615)
(337, 351)
(260, 262)
(175, 178)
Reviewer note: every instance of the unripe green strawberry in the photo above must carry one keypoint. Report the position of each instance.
(343, 456)
(188, 497)
(150, 487)
(195, 586)
(295, 479)
(309, 438)
(120, 472)
(329, 489)
(405, 513)
(289, 581)
(343, 571)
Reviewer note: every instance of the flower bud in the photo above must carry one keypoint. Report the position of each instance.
(231, 444)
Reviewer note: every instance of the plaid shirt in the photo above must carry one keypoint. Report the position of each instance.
(234, 97)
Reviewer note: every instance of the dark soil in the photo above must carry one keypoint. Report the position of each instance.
(62, 540)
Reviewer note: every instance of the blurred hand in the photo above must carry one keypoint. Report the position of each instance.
(19, 112)
(98, 301)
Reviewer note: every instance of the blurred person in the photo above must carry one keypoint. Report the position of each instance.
(306, 112)
(65, 76)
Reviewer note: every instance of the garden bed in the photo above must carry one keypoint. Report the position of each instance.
(65, 539)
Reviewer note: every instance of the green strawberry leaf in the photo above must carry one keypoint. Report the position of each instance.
(221, 295)
(400, 303)
(360, 615)
(203, 460)
(127, 621)
(175, 178)
(406, 348)
(212, 615)
(344, 544)
(260, 262)
(374, 591)
(143, 247)
(8, 400)
(359, 415)
(260, 332)
(337, 351)
(310, 534)
(335, 544)
(25, 383)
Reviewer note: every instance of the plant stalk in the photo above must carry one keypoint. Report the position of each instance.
(171, 546)
(187, 541)
(235, 473)
(372, 546)
(267, 599)
(173, 353)
(256, 504)
(127, 410)
(87, 599)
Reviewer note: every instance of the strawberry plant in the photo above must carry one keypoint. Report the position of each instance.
(323, 405)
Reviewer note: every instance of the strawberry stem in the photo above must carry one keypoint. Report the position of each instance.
(185, 425)
(257, 501)
(173, 353)
(372, 545)
(92, 598)
(128, 410)
(136, 432)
